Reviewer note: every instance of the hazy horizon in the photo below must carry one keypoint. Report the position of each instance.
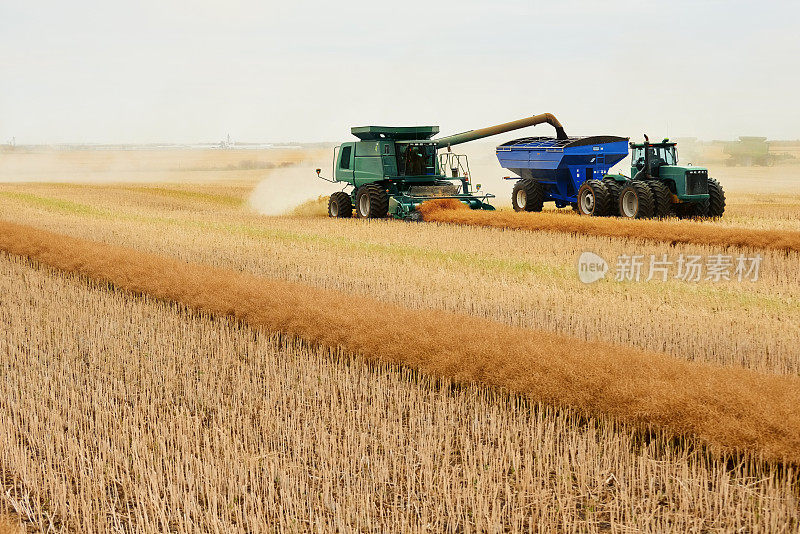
(177, 72)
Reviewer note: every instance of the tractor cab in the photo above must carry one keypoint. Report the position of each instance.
(650, 157)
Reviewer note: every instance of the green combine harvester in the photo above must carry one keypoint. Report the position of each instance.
(390, 171)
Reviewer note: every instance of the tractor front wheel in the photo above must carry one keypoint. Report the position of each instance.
(636, 200)
(716, 199)
(593, 197)
(372, 202)
(528, 195)
(340, 205)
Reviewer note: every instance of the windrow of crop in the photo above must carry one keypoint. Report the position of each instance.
(453, 212)
(732, 408)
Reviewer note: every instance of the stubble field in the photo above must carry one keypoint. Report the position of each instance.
(183, 421)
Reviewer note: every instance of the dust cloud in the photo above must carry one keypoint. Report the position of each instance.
(283, 190)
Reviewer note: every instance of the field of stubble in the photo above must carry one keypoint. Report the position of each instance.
(127, 414)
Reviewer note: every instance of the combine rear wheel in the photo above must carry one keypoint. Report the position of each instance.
(372, 202)
(716, 199)
(593, 198)
(614, 189)
(340, 206)
(662, 198)
(528, 195)
(636, 200)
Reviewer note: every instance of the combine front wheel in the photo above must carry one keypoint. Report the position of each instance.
(372, 202)
(593, 197)
(339, 205)
(636, 200)
(528, 195)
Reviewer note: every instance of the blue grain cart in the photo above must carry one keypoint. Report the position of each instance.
(556, 170)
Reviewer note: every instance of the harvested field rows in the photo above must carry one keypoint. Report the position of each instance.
(131, 414)
(512, 277)
(454, 212)
(731, 408)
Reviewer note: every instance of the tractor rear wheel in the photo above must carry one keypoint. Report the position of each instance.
(636, 200)
(528, 195)
(662, 198)
(593, 198)
(372, 202)
(340, 205)
(716, 199)
(614, 189)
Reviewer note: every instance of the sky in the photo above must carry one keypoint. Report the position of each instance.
(262, 71)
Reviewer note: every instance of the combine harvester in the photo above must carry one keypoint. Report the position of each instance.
(574, 171)
(390, 171)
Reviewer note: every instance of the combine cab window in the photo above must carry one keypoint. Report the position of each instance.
(417, 160)
(344, 159)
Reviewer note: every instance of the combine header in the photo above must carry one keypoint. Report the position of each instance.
(390, 171)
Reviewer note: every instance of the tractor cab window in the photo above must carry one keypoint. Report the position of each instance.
(417, 160)
(658, 155)
(637, 157)
(667, 155)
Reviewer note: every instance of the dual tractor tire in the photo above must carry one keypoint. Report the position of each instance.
(614, 189)
(528, 195)
(662, 198)
(636, 200)
(340, 205)
(372, 202)
(594, 199)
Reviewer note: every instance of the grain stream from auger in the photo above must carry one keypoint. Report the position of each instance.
(728, 407)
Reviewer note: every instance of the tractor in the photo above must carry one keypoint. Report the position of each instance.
(659, 187)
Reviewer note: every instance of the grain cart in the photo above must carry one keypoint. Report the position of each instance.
(390, 171)
(575, 171)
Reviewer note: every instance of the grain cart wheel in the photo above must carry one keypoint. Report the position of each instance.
(593, 198)
(662, 198)
(528, 195)
(636, 200)
(716, 199)
(614, 189)
(340, 205)
(372, 202)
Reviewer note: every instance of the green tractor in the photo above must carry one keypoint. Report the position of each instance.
(390, 171)
(659, 187)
